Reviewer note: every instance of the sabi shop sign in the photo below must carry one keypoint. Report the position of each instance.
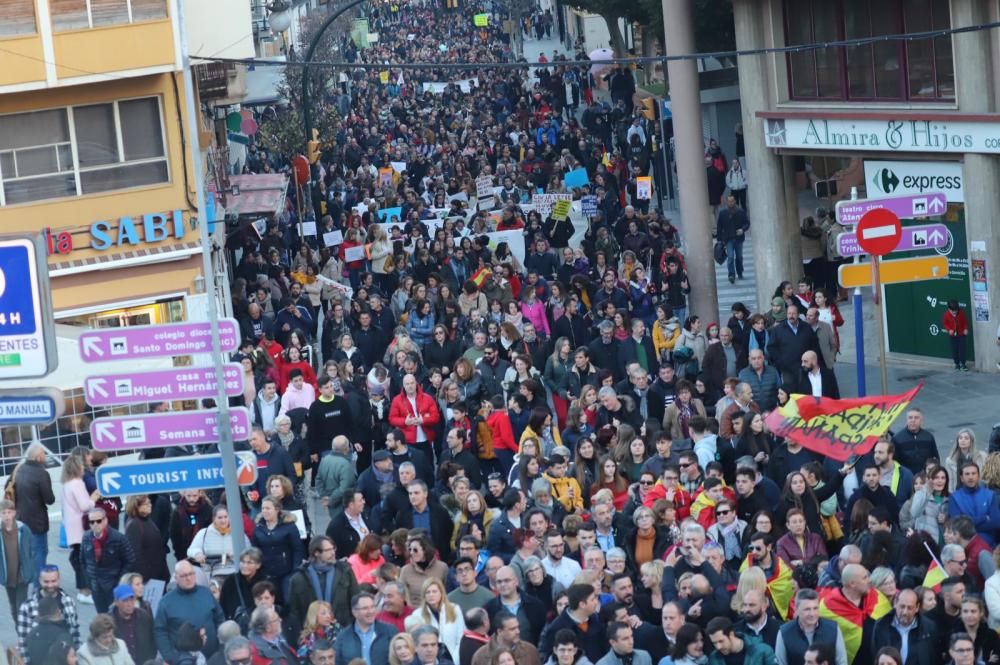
(127, 232)
(889, 135)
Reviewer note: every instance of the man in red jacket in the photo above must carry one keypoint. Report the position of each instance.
(415, 413)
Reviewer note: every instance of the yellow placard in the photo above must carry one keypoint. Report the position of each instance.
(560, 209)
(481, 20)
(894, 272)
(384, 77)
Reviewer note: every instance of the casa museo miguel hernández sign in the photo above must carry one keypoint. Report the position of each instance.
(899, 135)
(122, 233)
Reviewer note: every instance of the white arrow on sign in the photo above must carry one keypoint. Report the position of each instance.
(936, 236)
(936, 204)
(92, 347)
(96, 386)
(111, 481)
(105, 432)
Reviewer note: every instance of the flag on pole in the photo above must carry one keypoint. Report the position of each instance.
(838, 428)
(935, 575)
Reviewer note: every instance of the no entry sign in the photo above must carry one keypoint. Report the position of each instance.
(879, 232)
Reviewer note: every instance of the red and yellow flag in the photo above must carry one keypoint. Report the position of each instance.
(935, 575)
(838, 428)
(851, 618)
(780, 586)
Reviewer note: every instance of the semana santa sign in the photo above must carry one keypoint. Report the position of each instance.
(838, 428)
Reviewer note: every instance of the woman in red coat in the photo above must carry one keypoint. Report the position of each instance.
(293, 360)
(957, 327)
(415, 413)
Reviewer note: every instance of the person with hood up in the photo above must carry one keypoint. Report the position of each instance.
(415, 413)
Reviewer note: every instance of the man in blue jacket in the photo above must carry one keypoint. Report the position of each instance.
(366, 638)
(977, 501)
(188, 603)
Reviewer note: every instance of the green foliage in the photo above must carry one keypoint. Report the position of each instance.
(285, 133)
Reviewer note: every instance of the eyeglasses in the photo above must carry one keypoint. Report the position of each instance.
(646, 483)
(98, 521)
(961, 562)
(239, 661)
(756, 548)
(720, 513)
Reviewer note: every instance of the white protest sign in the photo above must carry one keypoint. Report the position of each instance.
(333, 238)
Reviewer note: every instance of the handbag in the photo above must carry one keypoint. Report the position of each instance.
(720, 252)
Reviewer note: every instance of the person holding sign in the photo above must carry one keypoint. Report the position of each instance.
(380, 255)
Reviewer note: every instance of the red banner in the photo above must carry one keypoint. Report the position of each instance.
(838, 428)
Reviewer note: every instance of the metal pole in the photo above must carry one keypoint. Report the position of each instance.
(859, 325)
(879, 322)
(225, 432)
(306, 112)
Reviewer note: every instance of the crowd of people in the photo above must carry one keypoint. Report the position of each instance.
(545, 458)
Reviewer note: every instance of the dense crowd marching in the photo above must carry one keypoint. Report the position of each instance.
(544, 458)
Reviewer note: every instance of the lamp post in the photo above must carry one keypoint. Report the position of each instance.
(306, 113)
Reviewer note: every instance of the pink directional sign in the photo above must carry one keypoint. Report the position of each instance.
(171, 339)
(928, 236)
(161, 385)
(930, 204)
(183, 428)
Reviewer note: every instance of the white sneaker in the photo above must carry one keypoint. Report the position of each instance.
(86, 599)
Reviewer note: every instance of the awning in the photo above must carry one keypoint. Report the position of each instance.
(260, 194)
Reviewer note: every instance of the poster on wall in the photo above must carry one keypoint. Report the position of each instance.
(980, 291)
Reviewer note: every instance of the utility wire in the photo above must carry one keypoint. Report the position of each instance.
(798, 48)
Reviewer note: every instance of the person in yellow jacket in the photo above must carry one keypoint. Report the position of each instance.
(666, 331)
(541, 429)
(565, 489)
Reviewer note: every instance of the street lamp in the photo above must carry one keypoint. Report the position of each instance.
(279, 16)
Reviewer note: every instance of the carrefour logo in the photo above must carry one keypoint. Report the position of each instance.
(887, 182)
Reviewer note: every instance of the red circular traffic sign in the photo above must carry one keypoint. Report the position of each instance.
(301, 166)
(879, 232)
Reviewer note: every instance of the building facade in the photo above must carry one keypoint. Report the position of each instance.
(887, 118)
(94, 156)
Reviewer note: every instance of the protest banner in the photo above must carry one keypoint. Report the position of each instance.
(560, 209)
(385, 176)
(576, 178)
(333, 238)
(514, 240)
(398, 167)
(838, 428)
(644, 188)
(589, 205)
(481, 20)
(543, 202)
(355, 253)
(484, 186)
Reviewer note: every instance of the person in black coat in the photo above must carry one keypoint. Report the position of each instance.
(730, 229)
(584, 604)
(105, 567)
(33, 495)
(279, 541)
(441, 523)
(441, 351)
(344, 536)
(530, 612)
(236, 590)
(921, 635)
(811, 367)
(193, 512)
(573, 327)
(629, 351)
(789, 340)
(146, 540)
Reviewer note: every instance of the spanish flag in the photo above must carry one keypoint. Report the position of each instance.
(935, 575)
(779, 586)
(851, 618)
(882, 606)
(481, 276)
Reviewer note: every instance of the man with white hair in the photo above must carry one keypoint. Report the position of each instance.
(268, 644)
(743, 402)
(32, 497)
(615, 410)
(189, 603)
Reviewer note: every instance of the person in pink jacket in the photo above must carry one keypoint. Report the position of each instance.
(533, 310)
(76, 503)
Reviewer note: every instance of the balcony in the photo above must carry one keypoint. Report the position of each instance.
(221, 83)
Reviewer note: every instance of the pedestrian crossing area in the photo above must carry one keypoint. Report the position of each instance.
(744, 290)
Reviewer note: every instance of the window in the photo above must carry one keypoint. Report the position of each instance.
(914, 70)
(77, 14)
(112, 146)
(17, 17)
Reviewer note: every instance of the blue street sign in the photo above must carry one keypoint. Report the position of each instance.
(175, 474)
(27, 329)
(31, 406)
(26, 410)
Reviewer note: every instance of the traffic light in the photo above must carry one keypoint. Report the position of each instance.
(648, 107)
(312, 148)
